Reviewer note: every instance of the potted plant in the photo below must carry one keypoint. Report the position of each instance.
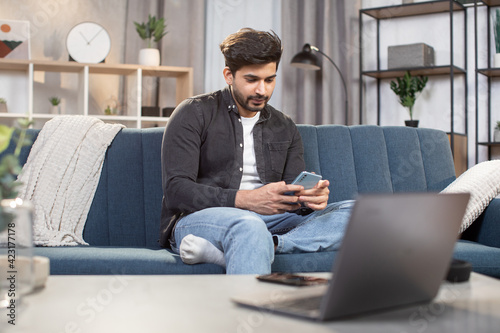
(16, 223)
(110, 111)
(3, 105)
(151, 31)
(496, 33)
(407, 88)
(54, 105)
(496, 132)
(9, 163)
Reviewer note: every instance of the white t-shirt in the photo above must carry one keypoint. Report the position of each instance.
(250, 179)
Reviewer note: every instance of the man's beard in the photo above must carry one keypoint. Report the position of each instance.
(240, 99)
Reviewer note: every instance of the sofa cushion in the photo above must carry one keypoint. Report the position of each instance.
(85, 260)
(484, 259)
(91, 260)
(482, 181)
(127, 204)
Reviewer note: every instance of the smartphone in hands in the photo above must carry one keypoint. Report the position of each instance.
(306, 179)
(292, 279)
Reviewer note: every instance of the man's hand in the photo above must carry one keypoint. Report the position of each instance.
(317, 197)
(271, 198)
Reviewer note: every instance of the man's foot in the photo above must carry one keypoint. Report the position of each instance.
(197, 250)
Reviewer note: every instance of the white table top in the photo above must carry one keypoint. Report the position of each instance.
(201, 303)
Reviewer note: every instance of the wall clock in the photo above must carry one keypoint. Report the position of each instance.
(88, 42)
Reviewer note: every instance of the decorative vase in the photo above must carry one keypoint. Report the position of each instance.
(496, 61)
(3, 107)
(496, 135)
(16, 252)
(149, 57)
(411, 123)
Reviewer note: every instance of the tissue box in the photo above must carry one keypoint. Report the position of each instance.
(410, 55)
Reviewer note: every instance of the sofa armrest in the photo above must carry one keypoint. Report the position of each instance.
(486, 229)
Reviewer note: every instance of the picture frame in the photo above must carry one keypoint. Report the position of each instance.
(15, 39)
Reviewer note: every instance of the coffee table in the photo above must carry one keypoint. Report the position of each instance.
(201, 303)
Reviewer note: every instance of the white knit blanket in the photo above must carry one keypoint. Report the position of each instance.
(61, 175)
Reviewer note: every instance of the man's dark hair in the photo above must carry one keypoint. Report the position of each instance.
(250, 47)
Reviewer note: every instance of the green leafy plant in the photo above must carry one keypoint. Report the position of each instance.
(497, 127)
(9, 163)
(54, 101)
(2, 100)
(408, 88)
(152, 30)
(109, 111)
(496, 30)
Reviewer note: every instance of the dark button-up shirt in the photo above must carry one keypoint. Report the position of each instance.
(202, 155)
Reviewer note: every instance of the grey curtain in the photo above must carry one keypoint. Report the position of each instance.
(315, 97)
(318, 97)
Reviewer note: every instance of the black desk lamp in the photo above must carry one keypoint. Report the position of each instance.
(307, 60)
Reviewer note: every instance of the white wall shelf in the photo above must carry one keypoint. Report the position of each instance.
(133, 73)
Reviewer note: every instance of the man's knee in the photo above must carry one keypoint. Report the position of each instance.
(251, 229)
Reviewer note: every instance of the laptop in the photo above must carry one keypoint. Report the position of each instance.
(396, 252)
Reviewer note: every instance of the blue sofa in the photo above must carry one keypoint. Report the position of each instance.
(123, 223)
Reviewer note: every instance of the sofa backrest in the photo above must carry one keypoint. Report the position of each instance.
(375, 159)
(356, 159)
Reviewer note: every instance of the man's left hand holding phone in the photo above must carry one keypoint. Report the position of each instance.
(315, 193)
(272, 199)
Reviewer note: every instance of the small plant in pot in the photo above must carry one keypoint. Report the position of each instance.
(496, 132)
(496, 34)
(9, 163)
(151, 31)
(3, 105)
(54, 105)
(407, 89)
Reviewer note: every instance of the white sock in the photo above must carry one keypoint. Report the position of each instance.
(196, 250)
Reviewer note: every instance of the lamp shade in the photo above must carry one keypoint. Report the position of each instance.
(305, 59)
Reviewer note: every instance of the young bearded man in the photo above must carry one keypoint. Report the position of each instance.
(228, 159)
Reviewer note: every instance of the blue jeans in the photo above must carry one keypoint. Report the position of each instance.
(246, 238)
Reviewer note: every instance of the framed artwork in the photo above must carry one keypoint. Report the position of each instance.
(14, 39)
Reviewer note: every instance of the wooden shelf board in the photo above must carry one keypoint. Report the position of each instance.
(43, 115)
(489, 143)
(15, 65)
(75, 67)
(492, 2)
(12, 115)
(115, 118)
(420, 8)
(165, 71)
(146, 119)
(491, 72)
(393, 73)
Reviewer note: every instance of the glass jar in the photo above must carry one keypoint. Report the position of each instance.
(16, 251)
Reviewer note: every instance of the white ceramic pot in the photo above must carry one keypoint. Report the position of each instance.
(55, 109)
(496, 61)
(496, 135)
(149, 57)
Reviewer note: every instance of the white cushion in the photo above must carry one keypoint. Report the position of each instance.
(482, 181)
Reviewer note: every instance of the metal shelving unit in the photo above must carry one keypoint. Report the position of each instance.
(490, 72)
(451, 70)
